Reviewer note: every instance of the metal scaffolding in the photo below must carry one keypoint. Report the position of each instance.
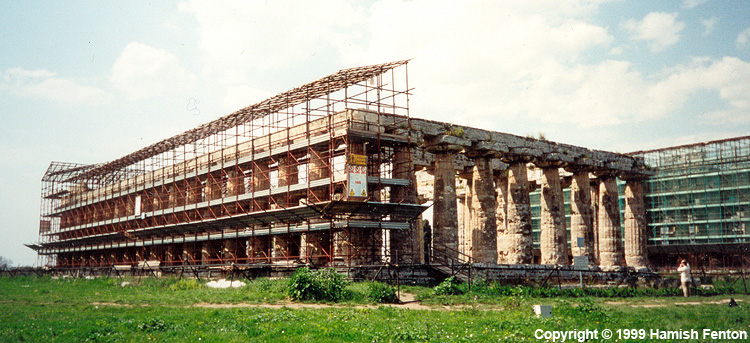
(319, 174)
(698, 203)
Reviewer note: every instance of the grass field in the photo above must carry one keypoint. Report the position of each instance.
(170, 310)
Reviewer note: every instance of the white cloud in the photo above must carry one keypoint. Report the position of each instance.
(729, 77)
(142, 71)
(241, 96)
(743, 39)
(659, 29)
(45, 84)
(238, 37)
(692, 3)
(473, 61)
(709, 25)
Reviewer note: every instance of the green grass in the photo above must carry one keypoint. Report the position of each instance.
(101, 310)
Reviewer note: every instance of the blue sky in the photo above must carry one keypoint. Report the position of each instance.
(89, 82)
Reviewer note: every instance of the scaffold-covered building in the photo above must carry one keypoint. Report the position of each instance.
(337, 173)
(282, 181)
(698, 203)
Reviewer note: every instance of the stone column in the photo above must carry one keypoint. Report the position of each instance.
(207, 253)
(236, 182)
(553, 242)
(483, 207)
(213, 187)
(194, 191)
(310, 244)
(405, 244)
(464, 205)
(258, 248)
(176, 196)
(160, 199)
(635, 226)
(170, 254)
(280, 247)
(610, 236)
(229, 250)
(501, 189)
(260, 179)
(341, 247)
(288, 171)
(581, 217)
(595, 217)
(320, 168)
(445, 228)
(518, 221)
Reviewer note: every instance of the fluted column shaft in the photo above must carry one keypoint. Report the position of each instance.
(518, 229)
(610, 236)
(553, 241)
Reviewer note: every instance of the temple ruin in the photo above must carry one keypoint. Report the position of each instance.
(338, 173)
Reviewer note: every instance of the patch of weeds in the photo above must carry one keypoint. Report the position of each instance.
(448, 287)
(409, 334)
(381, 293)
(185, 284)
(153, 325)
(102, 334)
(590, 310)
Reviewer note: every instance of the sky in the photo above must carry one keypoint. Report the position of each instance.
(91, 81)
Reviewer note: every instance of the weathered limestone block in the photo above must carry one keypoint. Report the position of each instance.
(581, 217)
(610, 237)
(501, 189)
(518, 227)
(635, 226)
(553, 241)
(483, 207)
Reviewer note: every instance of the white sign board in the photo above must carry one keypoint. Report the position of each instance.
(357, 181)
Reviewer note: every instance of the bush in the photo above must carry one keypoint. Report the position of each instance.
(185, 284)
(381, 293)
(321, 285)
(448, 287)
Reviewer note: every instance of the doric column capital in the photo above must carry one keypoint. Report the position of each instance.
(446, 144)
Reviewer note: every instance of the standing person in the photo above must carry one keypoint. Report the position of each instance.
(686, 279)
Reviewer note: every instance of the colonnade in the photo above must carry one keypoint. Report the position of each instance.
(498, 209)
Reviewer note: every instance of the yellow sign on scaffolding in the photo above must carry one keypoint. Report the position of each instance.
(359, 160)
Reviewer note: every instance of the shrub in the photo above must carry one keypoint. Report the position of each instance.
(448, 287)
(321, 285)
(381, 293)
(185, 284)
